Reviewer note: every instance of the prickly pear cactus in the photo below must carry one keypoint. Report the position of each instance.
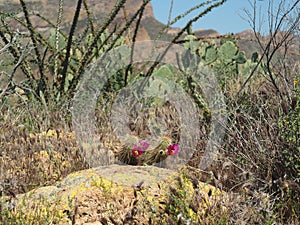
(225, 58)
(228, 52)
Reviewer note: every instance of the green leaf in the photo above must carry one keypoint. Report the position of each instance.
(228, 51)
(164, 72)
(191, 44)
(211, 54)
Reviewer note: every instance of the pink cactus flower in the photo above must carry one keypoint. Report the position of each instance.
(144, 145)
(136, 152)
(139, 149)
(173, 149)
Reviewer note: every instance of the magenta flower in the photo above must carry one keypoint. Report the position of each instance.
(144, 144)
(173, 149)
(139, 149)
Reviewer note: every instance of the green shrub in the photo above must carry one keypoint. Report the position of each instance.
(290, 132)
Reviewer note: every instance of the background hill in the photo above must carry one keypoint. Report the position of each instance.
(100, 9)
(149, 27)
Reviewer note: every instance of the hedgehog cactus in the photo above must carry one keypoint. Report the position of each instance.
(157, 154)
(135, 151)
(140, 148)
(131, 149)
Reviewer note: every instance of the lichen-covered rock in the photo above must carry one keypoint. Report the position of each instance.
(119, 194)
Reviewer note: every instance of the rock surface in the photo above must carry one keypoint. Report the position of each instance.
(119, 194)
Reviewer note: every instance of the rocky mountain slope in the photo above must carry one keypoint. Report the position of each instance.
(100, 10)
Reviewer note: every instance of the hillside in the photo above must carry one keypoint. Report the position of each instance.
(99, 10)
(149, 29)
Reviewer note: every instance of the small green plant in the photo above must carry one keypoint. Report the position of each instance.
(23, 212)
(290, 132)
(179, 201)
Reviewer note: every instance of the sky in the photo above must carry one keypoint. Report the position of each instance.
(228, 18)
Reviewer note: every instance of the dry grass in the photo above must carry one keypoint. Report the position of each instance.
(250, 166)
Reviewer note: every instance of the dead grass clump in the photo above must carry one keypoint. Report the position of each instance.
(32, 154)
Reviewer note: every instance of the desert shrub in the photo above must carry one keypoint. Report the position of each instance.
(290, 126)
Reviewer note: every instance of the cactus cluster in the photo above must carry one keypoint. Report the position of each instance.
(139, 152)
(225, 58)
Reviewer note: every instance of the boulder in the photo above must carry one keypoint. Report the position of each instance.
(119, 194)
